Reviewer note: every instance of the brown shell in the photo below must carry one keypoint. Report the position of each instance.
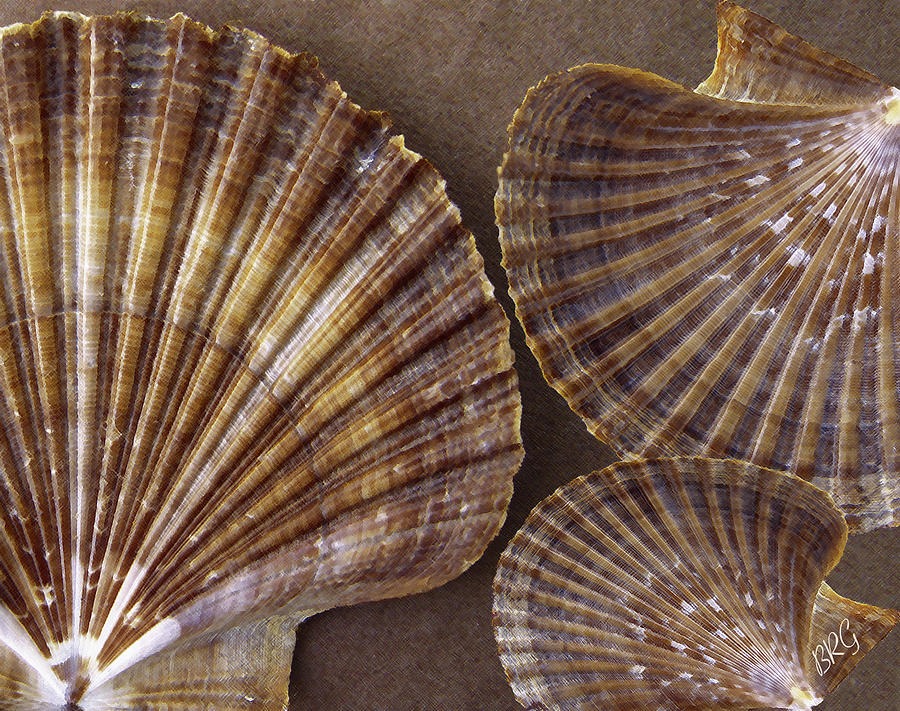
(250, 365)
(679, 584)
(716, 272)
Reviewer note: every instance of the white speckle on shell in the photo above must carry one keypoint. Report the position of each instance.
(782, 222)
(797, 257)
(638, 670)
(869, 264)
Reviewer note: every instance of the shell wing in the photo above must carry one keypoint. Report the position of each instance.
(673, 583)
(704, 276)
(237, 669)
(244, 667)
(758, 61)
(842, 632)
(250, 363)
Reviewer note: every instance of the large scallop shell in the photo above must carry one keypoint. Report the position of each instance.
(250, 366)
(717, 272)
(679, 584)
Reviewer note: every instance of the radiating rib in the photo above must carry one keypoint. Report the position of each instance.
(677, 583)
(686, 264)
(250, 364)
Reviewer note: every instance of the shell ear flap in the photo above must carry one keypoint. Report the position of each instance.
(843, 632)
(229, 670)
(757, 61)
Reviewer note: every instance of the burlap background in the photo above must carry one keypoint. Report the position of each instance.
(451, 75)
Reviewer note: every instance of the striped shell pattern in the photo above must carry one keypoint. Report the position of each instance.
(250, 366)
(688, 584)
(717, 272)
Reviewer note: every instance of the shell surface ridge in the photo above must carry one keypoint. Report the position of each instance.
(667, 614)
(686, 266)
(207, 249)
(686, 582)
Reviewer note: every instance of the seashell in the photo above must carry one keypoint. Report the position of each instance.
(679, 584)
(250, 366)
(716, 272)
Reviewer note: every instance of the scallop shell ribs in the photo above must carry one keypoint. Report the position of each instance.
(676, 584)
(717, 272)
(250, 366)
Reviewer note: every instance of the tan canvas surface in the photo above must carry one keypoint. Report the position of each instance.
(451, 74)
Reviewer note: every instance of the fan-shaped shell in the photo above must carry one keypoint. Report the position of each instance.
(716, 272)
(679, 584)
(250, 365)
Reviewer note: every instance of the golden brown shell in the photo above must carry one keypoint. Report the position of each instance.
(250, 365)
(716, 272)
(679, 584)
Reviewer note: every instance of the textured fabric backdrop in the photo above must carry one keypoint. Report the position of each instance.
(451, 74)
